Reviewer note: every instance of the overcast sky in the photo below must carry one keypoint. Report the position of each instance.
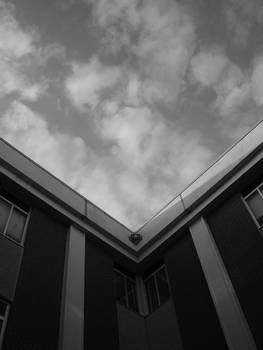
(128, 101)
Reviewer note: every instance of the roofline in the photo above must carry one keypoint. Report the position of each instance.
(167, 205)
(87, 215)
(64, 184)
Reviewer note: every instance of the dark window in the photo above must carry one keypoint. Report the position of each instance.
(126, 291)
(12, 220)
(152, 296)
(254, 201)
(157, 288)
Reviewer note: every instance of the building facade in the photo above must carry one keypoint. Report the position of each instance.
(72, 277)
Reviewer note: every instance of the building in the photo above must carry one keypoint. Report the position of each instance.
(73, 278)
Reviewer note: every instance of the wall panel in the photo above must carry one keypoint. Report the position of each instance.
(35, 313)
(197, 318)
(241, 248)
(101, 324)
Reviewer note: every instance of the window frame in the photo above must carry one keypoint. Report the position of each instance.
(154, 275)
(27, 213)
(4, 319)
(133, 280)
(245, 198)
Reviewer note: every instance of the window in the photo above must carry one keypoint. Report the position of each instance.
(3, 318)
(13, 220)
(254, 201)
(126, 291)
(157, 288)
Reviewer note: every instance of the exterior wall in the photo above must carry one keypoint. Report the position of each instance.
(156, 331)
(132, 330)
(34, 317)
(197, 318)
(100, 314)
(162, 329)
(241, 248)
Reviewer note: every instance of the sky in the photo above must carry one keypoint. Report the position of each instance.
(128, 101)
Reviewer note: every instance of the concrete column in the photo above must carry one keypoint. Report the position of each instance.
(72, 315)
(231, 317)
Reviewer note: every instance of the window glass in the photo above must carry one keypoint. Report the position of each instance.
(255, 203)
(1, 325)
(120, 288)
(16, 225)
(4, 213)
(126, 291)
(162, 285)
(132, 297)
(151, 293)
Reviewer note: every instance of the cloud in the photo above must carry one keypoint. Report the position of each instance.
(236, 97)
(257, 81)
(14, 42)
(87, 81)
(157, 36)
(29, 132)
(64, 155)
(213, 69)
(240, 17)
(150, 158)
(238, 27)
(233, 87)
(12, 80)
(155, 158)
(146, 162)
(21, 56)
(154, 41)
(207, 66)
(238, 93)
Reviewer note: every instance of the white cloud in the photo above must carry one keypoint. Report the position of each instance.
(257, 81)
(134, 90)
(14, 42)
(238, 93)
(213, 69)
(150, 158)
(159, 36)
(67, 157)
(233, 87)
(87, 81)
(207, 66)
(12, 80)
(155, 158)
(20, 56)
(29, 132)
(229, 103)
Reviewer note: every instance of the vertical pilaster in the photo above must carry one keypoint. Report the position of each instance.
(72, 321)
(230, 314)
